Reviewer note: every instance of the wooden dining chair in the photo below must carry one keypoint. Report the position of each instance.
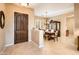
(54, 36)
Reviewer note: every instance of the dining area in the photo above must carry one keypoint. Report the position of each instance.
(53, 31)
(50, 32)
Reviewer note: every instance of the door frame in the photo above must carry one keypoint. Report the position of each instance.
(14, 26)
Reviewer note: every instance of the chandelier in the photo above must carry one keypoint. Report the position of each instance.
(46, 18)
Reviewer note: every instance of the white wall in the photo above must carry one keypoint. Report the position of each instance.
(2, 31)
(10, 9)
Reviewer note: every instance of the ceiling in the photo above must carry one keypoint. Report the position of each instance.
(52, 9)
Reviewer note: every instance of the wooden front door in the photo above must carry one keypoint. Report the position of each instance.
(21, 27)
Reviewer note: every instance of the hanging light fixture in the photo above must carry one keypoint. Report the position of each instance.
(46, 17)
(26, 5)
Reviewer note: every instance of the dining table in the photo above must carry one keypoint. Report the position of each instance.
(50, 35)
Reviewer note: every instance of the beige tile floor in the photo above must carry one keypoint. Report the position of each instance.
(51, 48)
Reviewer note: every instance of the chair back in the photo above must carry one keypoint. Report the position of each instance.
(56, 32)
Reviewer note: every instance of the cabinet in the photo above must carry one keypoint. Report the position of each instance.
(56, 25)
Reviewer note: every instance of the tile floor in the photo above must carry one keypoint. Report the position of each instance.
(51, 48)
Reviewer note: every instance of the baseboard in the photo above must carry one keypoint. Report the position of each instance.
(41, 46)
(9, 45)
(29, 40)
